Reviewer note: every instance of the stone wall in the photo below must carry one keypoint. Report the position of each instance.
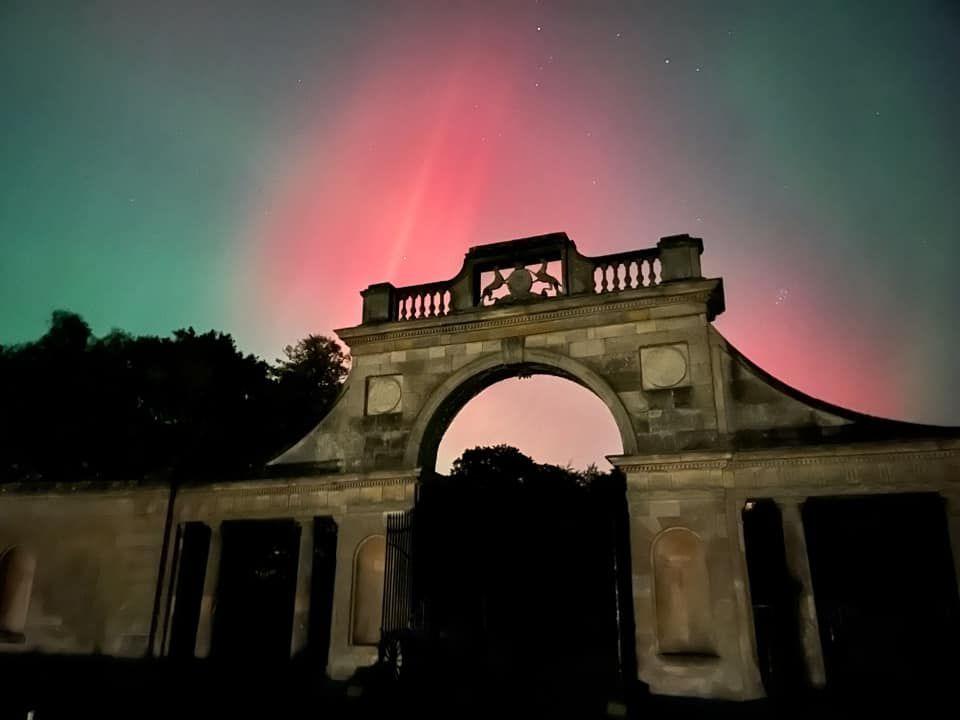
(707, 491)
(703, 431)
(725, 673)
(755, 408)
(358, 504)
(97, 555)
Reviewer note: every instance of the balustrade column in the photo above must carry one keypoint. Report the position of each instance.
(301, 602)
(209, 599)
(798, 563)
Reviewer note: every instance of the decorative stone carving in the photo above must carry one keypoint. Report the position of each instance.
(384, 394)
(497, 283)
(664, 366)
(541, 275)
(519, 285)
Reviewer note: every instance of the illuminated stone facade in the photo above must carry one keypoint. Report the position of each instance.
(704, 434)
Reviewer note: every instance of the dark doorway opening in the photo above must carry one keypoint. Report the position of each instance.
(253, 618)
(518, 588)
(886, 591)
(193, 545)
(321, 589)
(775, 595)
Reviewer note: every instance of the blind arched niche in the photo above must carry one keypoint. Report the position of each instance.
(682, 594)
(368, 570)
(17, 567)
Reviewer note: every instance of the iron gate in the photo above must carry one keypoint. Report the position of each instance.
(399, 618)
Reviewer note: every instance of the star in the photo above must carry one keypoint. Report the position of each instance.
(698, 69)
(666, 61)
(539, 28)
(619, 34)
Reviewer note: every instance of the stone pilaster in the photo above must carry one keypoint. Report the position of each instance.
(207, 603)
(301, 603)
(795, 545)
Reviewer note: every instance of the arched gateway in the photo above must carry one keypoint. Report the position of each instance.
(702, 429)
(774, 540)
(517, 308)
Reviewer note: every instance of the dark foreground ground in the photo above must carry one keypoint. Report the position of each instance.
(62, 687)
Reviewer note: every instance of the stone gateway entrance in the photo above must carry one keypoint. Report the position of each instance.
(718, 459)
(517, 588)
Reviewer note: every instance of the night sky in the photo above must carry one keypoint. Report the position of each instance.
(250, 167)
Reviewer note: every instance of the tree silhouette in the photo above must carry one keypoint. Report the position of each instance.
(76, 407)
(516, 578)
(309, 377)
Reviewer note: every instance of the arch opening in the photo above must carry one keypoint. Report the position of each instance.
(463, 386)
(547, 417)
(521, 562)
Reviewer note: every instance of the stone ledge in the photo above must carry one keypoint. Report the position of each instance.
(573, 306)
(304, 485)
(719, 468)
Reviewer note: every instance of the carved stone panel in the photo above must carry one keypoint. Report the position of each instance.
(665, 366)
(522, 283)
(384, 394)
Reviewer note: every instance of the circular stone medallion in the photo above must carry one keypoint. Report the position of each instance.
(383, 395)
(664, 367)
(519, 283)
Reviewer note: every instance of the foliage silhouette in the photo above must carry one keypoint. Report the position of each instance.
(309, 379)
(120, 407)
(515, 579)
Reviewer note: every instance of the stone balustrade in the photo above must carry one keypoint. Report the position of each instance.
(626, 271)
(422, 301)
(534, 269)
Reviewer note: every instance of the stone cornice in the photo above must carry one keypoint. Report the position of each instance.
(391, 332)
(303, 485)
(117, 489)
(925, 450)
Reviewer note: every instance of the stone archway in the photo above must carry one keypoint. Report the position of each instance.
(702, 430)
(632, 328)
(620, 325)
(462, 386)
